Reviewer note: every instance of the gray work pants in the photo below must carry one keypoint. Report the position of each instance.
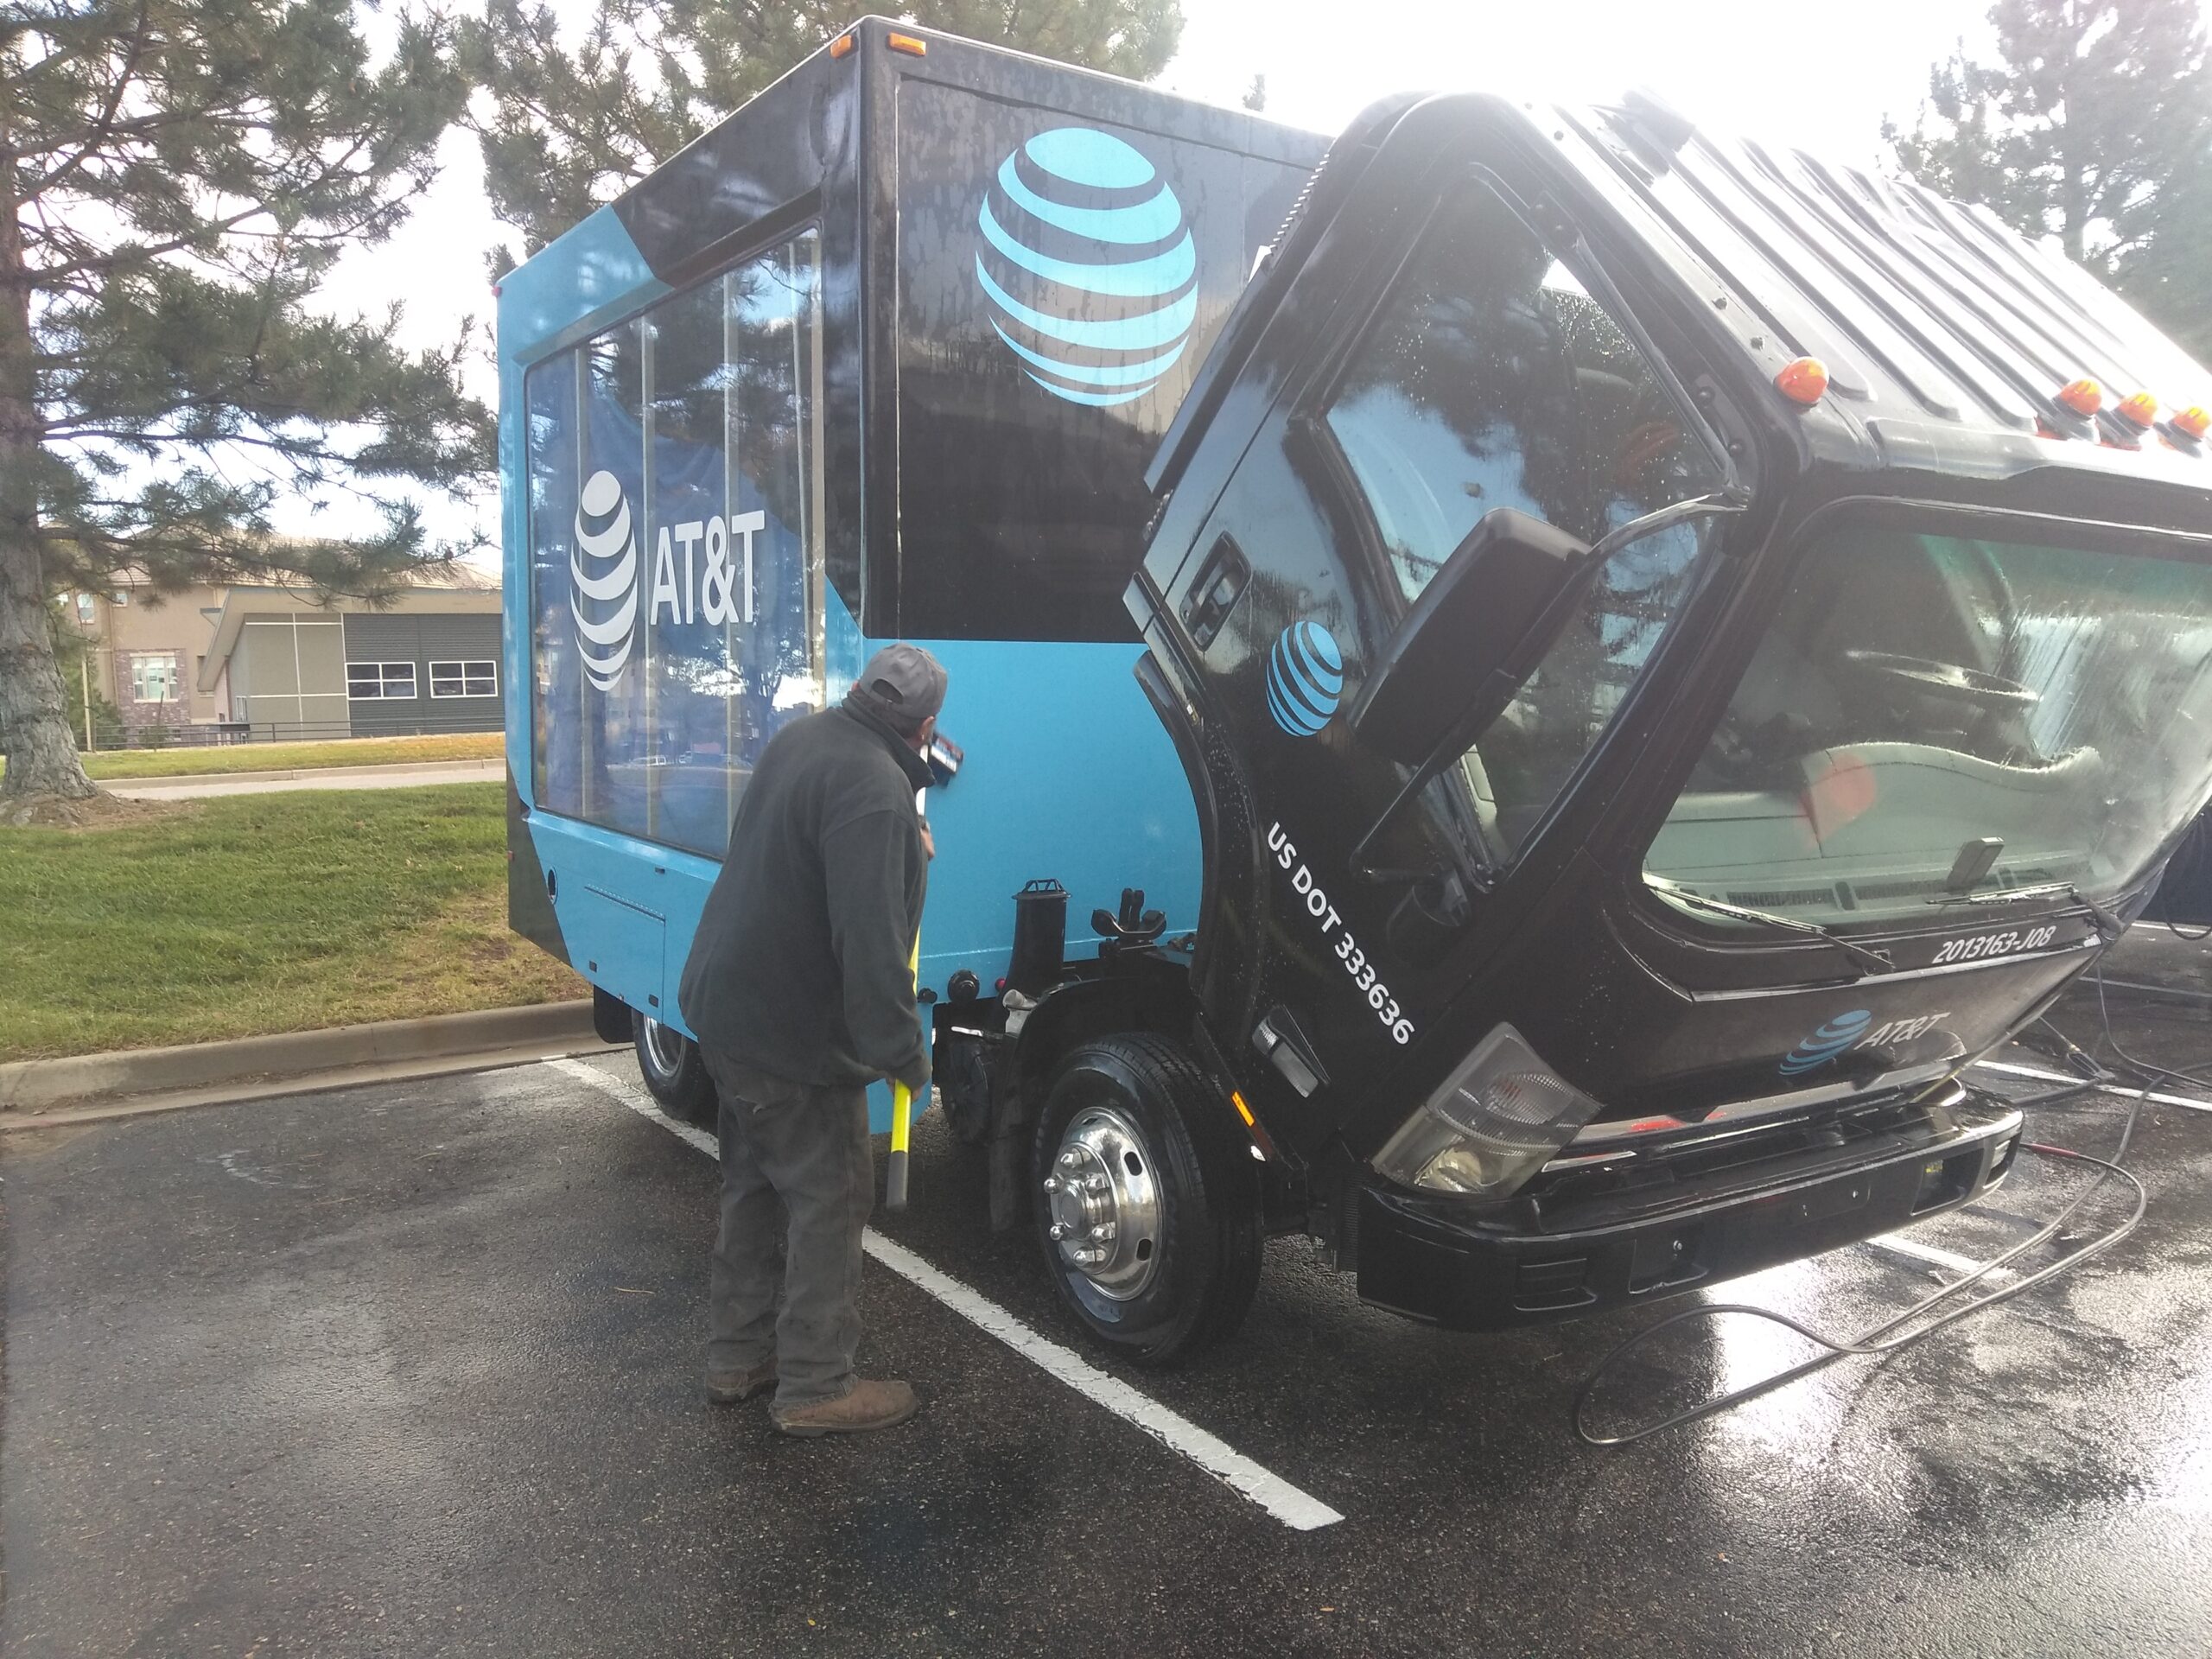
(807, 1147)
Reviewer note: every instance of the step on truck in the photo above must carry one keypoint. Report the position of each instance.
(1530, 688)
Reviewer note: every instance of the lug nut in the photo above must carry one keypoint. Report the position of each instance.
(1094, 1183)
(1057, 1229)
(1052, 1182)
(1104, 1230)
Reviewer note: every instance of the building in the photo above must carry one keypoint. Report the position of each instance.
(264, 660)
(142, 655)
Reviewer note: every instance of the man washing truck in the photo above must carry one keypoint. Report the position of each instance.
(799, 988)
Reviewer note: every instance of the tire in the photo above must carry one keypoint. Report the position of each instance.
(1181, 1266)
(675, 1074)
(963, 1083)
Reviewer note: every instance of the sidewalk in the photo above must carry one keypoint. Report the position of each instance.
(267, 783)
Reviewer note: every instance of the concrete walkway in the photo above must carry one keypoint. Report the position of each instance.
(199, 788)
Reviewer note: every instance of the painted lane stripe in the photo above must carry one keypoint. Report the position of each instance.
(1898, 1244)
(2110, 1089)
(1295, 1509)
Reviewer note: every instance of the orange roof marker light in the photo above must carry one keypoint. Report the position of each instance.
(2140, 411)
(1804, 381)
(843, 45)
(912, 45)
(2085, 397)
(2195, 421)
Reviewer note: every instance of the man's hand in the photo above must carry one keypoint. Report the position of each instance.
(929, 841)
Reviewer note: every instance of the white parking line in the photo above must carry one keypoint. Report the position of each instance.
(1898, 1244)
(1294, 1507)
(2111, 1088)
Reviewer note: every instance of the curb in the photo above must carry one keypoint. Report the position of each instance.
(293, 775)
(36, 1085)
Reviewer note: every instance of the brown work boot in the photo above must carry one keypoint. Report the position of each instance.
(867, 1405)
(728, 1387)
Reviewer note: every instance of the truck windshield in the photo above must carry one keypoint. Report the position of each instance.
(1934, 718)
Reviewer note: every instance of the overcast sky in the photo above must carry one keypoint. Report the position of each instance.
(1818, 76)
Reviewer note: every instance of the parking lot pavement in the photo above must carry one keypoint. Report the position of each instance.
(413, 1370)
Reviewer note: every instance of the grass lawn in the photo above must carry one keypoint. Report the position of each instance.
(261, 913)
(281, 757)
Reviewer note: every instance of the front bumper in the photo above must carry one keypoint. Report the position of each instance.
(1486, 1267)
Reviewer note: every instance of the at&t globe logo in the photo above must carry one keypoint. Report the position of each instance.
(603, 577)
(1089, 267)
(1824, 1045)
(1306, 678)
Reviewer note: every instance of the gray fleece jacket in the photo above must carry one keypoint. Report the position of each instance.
(799, 967)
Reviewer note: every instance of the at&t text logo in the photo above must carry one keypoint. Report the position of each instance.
(695, 576)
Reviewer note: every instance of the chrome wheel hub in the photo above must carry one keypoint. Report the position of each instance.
(1105, 1204)
(664, 1048)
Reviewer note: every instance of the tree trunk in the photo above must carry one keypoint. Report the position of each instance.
(34, 717)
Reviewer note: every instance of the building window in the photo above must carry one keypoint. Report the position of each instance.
(153, 678)
(367, 681)
(86, 615)
(478, 677)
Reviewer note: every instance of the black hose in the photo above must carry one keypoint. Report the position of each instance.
(1878, 1340)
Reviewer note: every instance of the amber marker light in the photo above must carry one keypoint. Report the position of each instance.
(2084, 398)
(2195, 421)
(1262, 1148)
(1804, 382)
(2140, 411)
(842, 47)
(910, 45)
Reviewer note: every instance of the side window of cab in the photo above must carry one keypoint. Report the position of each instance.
(1491, 377)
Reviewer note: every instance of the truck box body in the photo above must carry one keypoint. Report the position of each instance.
(882, 356)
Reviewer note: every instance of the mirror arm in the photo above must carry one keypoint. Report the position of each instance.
(1455, 742)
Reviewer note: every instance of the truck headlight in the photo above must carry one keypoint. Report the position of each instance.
(1495, 1120)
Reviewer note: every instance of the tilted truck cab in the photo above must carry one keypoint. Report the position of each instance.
(1676, 658)
(1574, 702)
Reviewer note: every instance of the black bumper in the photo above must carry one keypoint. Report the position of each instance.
(1485, 1268)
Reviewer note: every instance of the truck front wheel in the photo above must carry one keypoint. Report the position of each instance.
(675, 1074)
(1147, 1205)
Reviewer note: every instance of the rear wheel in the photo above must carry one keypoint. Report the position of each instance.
(674, 1071)
(1147, 1205)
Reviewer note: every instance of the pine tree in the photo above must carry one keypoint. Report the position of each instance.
(2094, 126)
(178, 177)
(568, 127)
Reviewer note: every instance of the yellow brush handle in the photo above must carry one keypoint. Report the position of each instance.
(902, 1115)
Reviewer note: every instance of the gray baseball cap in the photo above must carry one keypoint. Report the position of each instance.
(902, 682)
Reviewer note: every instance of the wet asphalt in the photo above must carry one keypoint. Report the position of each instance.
(413, 1370)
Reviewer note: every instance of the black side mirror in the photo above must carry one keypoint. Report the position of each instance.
(1470, 639)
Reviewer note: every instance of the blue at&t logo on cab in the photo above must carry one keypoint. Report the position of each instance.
(1306, 678)
(1824, 1045)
